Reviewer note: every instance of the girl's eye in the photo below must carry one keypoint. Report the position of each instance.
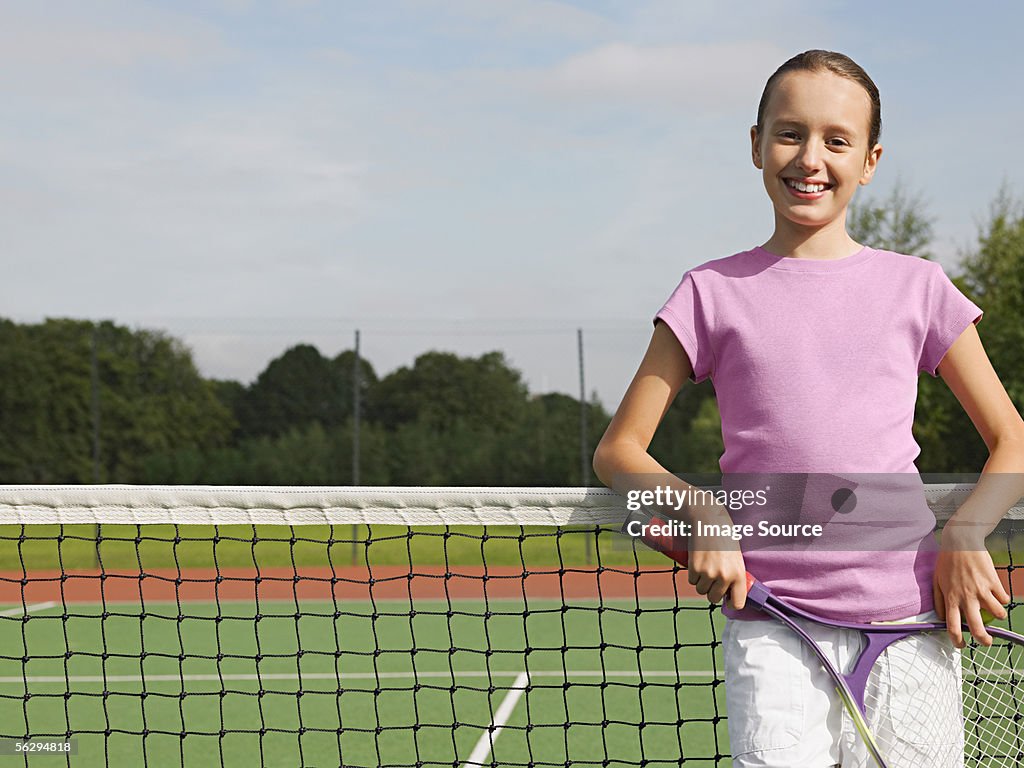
(788, 135)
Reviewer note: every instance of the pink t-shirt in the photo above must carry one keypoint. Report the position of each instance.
(815, 366)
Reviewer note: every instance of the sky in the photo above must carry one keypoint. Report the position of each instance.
(458, 175)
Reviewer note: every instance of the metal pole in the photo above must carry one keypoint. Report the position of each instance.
(584, 457)
(355, 412)
(94, 388)
(356, 381)
(584, 451)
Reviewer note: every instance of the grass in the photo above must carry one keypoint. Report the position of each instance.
(52, 547)
(396, 703)
(393, 707)
(125, 547)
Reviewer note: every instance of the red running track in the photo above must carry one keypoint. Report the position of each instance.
(314, 583)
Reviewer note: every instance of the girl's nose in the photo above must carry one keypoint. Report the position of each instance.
(809, 159)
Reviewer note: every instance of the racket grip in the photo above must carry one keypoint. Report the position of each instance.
(673, 547)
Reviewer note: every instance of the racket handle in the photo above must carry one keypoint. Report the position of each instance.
(666, 544)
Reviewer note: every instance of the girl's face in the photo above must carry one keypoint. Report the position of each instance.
(815, 131)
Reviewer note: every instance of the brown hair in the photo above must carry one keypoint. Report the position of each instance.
(837, 64)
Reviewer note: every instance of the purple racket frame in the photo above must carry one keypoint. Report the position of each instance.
(850, 686)
(878, 636)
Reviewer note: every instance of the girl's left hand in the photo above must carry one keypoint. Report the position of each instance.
(966, 583)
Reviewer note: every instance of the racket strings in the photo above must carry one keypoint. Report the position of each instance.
(929, 704)
(913, 703)
(992, 705)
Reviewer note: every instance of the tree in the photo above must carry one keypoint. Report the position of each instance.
(898, 224)
(994, 279)
(689, 438)
(343, 367)
(45, 418)
(230, 394)
(146, 392)
(442, 388)
(545, 447)
(301, 387)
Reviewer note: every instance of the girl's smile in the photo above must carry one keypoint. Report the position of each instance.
(807, 189)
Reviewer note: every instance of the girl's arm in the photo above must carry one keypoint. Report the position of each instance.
(965, 578)
(621, 461)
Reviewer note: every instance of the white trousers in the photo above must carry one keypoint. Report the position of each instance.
(784, 711)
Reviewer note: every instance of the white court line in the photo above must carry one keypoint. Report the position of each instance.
(483, 747)
(20, 610)
(345, 676)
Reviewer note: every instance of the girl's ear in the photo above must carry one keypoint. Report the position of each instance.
(755, 147)
(870, 164)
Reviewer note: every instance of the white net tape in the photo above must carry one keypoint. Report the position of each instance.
(216, 505)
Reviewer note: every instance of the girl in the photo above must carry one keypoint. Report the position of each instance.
(815, 344)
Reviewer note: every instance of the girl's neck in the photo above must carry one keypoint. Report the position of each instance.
(823, 244)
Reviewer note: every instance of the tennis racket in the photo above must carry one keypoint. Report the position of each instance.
(966, 701)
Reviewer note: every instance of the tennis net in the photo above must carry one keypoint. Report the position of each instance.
(353, 627)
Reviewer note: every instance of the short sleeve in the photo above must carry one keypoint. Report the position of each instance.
(685, 315)
(948, 314)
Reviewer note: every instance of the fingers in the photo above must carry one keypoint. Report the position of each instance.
(972, 617)
(738, 593)
(956, 616)
(718, 588)
(993, 606)
(716, 573)
(701, 582)
(968, 592)
(713, 588)
(953, 625)
(939, 600)
(1003, 597)
(718, 591)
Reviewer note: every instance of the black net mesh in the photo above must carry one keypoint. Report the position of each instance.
(189, 644)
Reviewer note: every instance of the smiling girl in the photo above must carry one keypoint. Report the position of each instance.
(815, 343)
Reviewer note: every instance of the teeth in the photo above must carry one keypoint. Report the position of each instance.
(806, 187)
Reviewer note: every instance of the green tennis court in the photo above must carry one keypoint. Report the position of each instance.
(376, 685)
(369, 627)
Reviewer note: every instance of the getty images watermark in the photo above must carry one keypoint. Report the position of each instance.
(822, 511)
(678, 500)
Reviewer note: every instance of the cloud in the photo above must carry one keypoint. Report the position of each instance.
(534, 18)
(42, 37)
(650, 81)
(674, 75)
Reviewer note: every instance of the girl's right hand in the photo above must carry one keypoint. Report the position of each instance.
(719, 571)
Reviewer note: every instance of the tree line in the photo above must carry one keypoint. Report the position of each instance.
(84, 402)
